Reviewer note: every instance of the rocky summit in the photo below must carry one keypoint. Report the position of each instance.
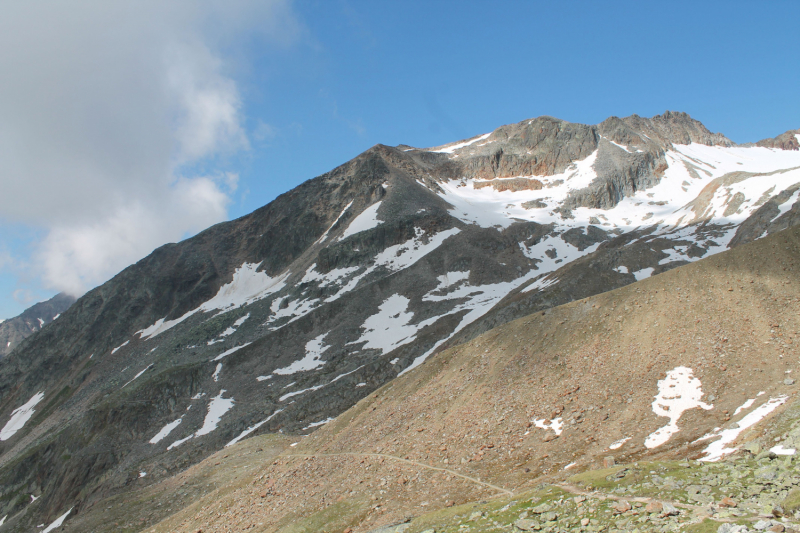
(14, 330)
(404, 309)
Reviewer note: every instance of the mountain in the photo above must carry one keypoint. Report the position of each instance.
(673, 391)
(281, 320)
(14, 330)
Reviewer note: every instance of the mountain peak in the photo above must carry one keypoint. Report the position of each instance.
(281, 320)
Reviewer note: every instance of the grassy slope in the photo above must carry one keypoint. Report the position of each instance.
(458, 429)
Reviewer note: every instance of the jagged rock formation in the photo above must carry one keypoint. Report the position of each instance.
(14, 330)
(784, 141)
(285, 318)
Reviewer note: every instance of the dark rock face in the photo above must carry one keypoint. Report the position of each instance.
(284, 318)
(14, 330)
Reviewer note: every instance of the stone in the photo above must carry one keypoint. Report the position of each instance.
(753, 447)
(727, 501)
(791, 504)
(584, 522)
(654, 507)
(622, 507)
(669, 509)
(542, 508)
(525, 524)
(549, 516)
(608, 461)
(778, 528)
(788, 381)
(476, 515)
(732, 528)
(762, 525)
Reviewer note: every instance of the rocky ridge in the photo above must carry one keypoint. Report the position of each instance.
(14, 330)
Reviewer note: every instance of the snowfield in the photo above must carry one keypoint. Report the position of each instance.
(20, 416)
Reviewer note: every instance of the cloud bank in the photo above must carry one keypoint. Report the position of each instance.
(119, 122)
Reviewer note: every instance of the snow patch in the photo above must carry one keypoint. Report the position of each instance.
(20, 416)
(401, 256)
(252, 428)
(325, 235)
(228, 352)
(453, 147)
(367, 220)
(745, 406)
(678, 392)
(247, 286)
(540, 284)
(115, 350)
(57, 522)
(216, 410)
(390, 327)
(216, 372)
(311, 361)
(556, 424)
(780, 450)
(719, 448)
(179, 442)
(148, 367)
(231, 330)
(165, 431)
(643, 273)
(618, 444)
(451, 278)
(320, 423)
(316, 387)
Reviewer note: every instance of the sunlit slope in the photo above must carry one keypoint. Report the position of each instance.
(480, 419)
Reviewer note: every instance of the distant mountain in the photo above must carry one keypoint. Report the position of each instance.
(283, 319)
(14, 330)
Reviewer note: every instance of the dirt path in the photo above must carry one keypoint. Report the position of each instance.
(698, 511)
(407, 461)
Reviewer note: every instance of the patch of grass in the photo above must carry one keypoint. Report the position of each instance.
(502, 511)
(333, 519)
(706, 526)
(598, 478)
(792, 501)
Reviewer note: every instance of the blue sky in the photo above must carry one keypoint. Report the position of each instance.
(257, 97)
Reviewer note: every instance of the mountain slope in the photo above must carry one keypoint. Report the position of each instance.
(479, 421)
(14, 330)
(285, 318)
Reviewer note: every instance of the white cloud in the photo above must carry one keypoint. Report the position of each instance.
(107, 108)
(74, 257)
